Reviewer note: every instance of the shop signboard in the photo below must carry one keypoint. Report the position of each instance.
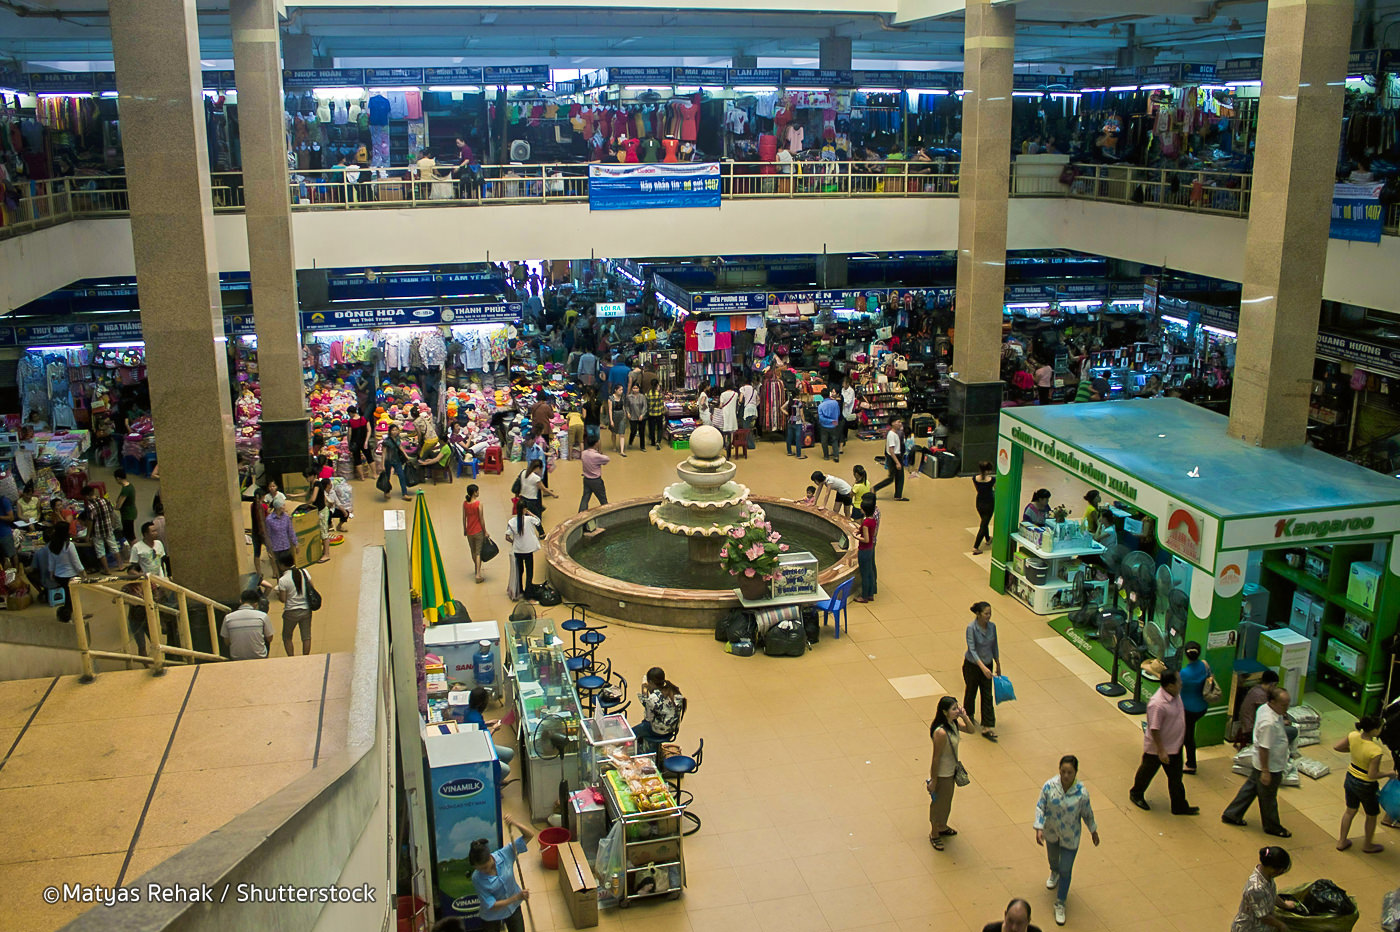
(239, 325)
(50, 334)
(755, 76)
(1221, 318)
(653, 186)
(217, 80)
(1199, 73)
(1025, 293)
(817, 77)
(485, 312)
(610, 309)
(393, 77)
(730, 303)
(104, 82)
(1170, 74)
(1357, 213)
(1082, 291)
(115, 331)
(894, 80)
(456, 76)
(1285, 530)
(640, 76)
(829, 297)
(1373, 357)
(1183, 528)
(323, 77)
(711, 76)
(62, 82)
(7, 337)
(671, 292)
(370, 317)
(516, 74)
(1240, 69)
(1029, 82)
(1362, 62)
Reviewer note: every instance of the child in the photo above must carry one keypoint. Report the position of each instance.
(811, 498)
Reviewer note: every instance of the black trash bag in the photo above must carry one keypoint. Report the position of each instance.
(545, 594)
(786, 639)
(742, 626)
(812, 622)
(728, 624)
(1326, 898)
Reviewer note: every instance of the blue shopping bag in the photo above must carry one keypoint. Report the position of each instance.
(1003, 690)
(1390, 799)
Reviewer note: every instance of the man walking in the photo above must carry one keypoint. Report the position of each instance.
(247, 632)
(1270, 759)
(1161, 746)
(593, 463)
(656, 407)
(894, 461)
(848, 410)
(587, 368)
(102, 527)
(828, 424)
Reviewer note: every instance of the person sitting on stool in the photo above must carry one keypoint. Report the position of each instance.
(664, 707)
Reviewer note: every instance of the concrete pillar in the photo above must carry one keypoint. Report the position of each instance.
(1300, 114)
(984, 179)
(740, 60)
(155, 44)
(297, 52)
(832, 270)
(272, 261)
(834, 53)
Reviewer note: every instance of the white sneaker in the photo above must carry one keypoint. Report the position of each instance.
(1059, 914)
(1052, 881)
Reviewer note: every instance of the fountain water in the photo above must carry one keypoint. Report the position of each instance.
(707, 502)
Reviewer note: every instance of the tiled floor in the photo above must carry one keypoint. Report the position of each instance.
(811, 791)
(102, 781)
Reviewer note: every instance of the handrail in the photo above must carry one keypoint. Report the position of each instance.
(159, 649)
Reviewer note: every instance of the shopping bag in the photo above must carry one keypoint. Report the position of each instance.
(1326, 922)
(1002, 689)
(1390, 799)
(489, 550)
(383, 483)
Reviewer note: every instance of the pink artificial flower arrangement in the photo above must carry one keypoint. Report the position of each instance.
(752, 548)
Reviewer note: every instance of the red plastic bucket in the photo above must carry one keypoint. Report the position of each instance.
(550, 840)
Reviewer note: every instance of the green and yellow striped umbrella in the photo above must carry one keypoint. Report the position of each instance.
(426, 572)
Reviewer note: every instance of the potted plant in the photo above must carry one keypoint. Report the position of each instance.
(750, 553)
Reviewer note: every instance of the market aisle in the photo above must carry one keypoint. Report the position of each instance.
(812, 788)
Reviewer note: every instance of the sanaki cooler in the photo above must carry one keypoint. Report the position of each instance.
(458, 645)
(465, 806)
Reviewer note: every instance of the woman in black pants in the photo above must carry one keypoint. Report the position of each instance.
(986, 485)
(981, 658)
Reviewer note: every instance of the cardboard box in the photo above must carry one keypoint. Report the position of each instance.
(1363, 584)
(579, 887)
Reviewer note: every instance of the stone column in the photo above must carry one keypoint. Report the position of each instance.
(268, 213)
(984, 179)
(155, 44)
(834, 53)
(1300, 115)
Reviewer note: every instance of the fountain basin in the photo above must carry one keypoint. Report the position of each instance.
(640, 588)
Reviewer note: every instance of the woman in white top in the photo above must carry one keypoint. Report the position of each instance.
(703, 414)
(945, 734)
(523, 531)
(727, 416)
(65, 564)
(748, 399)
(532, 488)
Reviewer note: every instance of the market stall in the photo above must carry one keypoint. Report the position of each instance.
(1203, 524)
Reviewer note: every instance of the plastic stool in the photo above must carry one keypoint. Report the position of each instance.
(739, 444)
(132, 465)
(56, 596)
(474, 466)
(588, 688)
(491, 461)
(148, 465)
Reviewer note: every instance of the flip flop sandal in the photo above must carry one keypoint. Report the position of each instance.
(989, 735)
(937, 843)
(1373, 849)
(948, 832)
(1344, 845)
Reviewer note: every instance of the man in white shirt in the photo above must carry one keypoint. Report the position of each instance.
(247, 631)
(835, 488)
(149, 554)
(894, 461)
(748, 398)
(1270, 759)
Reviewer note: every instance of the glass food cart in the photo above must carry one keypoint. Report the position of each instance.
(547, 713)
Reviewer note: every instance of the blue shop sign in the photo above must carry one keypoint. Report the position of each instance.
(1159, 74)
(711, 76)
(753, 76)
(839, 297)
(7, 336)
(1029, 82)
(104, 82)
(1026, 293)
(1199, 73)
(370, 318)
(731, 303)
(488, 312)
(217, 80)
(1363, 62)
(516, 74)
(115, 331)
(1221, 318)
(50, 334)
(873, 79)
(667, 289)
(323, 77)
(452, 77)
(62, 82)
(653, 186)
(1373, 357)
(817, 77)
(1357, 213)
(393, 77)
(642, 76)
(239, 325)
(1240, 69)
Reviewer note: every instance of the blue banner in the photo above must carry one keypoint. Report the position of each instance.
(516, 74)
(393, 77)
(1373, 357)
(1240, 69)
(50, 334)
(818, 77)
(7, 336)
(671, 292)
(62, 82)
(452, 77)
(751, 76)
(323, 77)
(1357, 214)
(115, 331)
(730, 303)
(12, 80)
(370, 318)
(651, 186)
(1362, 62)
(239, 325)
(486, 312)
(104, 81)
(842, 297)
(642, 76)
(712, 76)
(873, 79)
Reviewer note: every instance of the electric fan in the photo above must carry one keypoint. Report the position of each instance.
(520, 151)
(1175, 625)
(1124, 651)
(1131, 655)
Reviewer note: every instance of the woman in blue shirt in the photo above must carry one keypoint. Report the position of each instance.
(1060, 812)
(1194, 674)
(493, 875)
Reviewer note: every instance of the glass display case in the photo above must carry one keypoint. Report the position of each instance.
(547, 713)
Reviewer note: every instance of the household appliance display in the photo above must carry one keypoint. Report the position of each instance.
(1286, 652)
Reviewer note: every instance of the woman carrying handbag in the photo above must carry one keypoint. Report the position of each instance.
(946, 773)
(1198, 690)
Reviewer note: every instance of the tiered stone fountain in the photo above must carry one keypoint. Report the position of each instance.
(707, 502)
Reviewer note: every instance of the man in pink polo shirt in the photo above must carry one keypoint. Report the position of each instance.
(1161, 746)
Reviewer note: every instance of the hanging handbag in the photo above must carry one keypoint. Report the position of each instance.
(960, 775)
(383, 482)
(489, 550)
(1210, 690)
